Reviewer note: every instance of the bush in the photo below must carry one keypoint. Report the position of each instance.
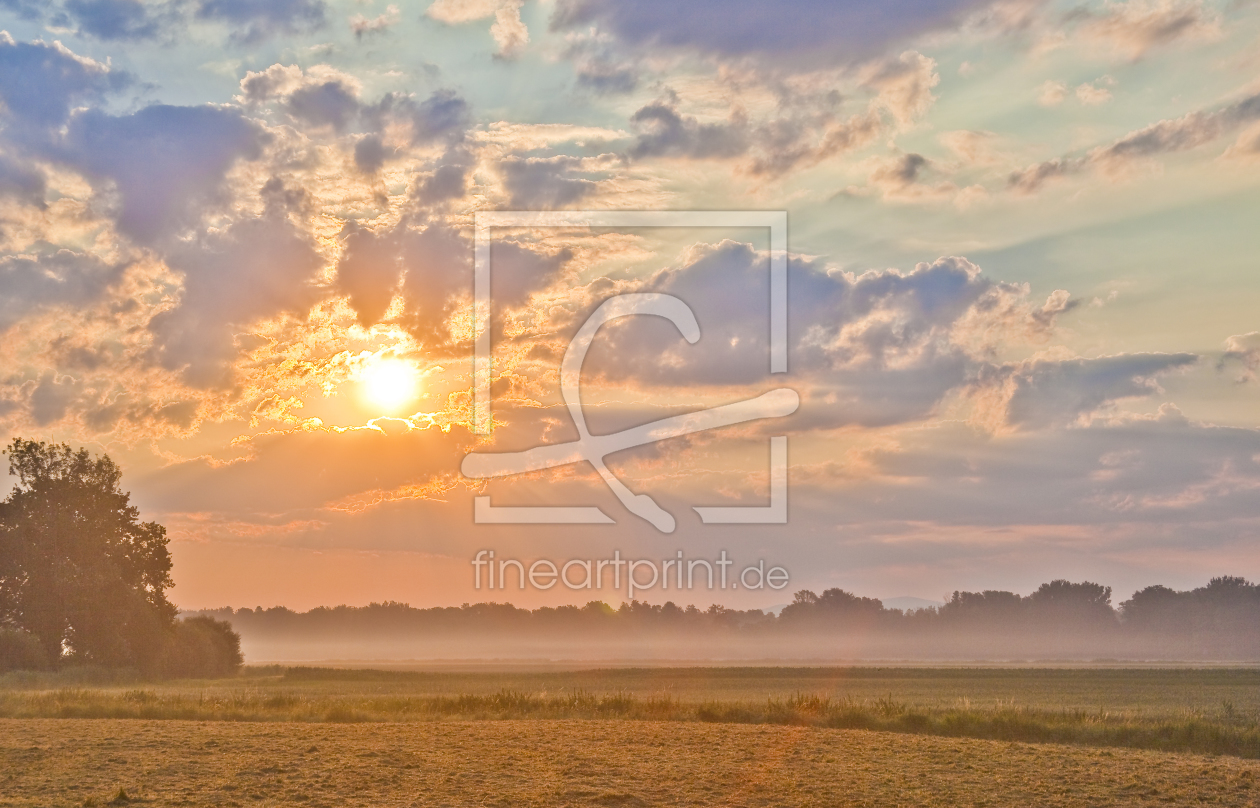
(21, 651)
(201, 647)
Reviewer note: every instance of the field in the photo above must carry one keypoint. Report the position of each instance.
(696, 736)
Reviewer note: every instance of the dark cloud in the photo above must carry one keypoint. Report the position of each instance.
(65, 278)
(22, 181)
(441, 116)
(254, 269)
(255, 20)
(816, 32)
(664, 132)
(25, 9)
(51, 398)
(118, 19)
(167, 164)
(69, 353)
(330, 103)
(430, 265)
(448, 181)
(879, 320)
(370, 154)
(607, 77)
(1047, 393)
(598, 69)
(805, 128)
(368, 272)
(905, 170)
(545, 183)
(878, 348)
(323, 97)
(40, 83)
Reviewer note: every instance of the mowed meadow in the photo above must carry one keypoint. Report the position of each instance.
(663, 736)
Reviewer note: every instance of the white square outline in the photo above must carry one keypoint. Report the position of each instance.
(484, 221)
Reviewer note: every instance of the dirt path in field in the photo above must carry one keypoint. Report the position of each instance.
(62, 762)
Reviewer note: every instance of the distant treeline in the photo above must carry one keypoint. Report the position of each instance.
(1060, 619)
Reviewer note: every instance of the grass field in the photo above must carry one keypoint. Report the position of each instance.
(580, 763)
(664, 736)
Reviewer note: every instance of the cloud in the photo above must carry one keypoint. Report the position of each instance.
(970, 146)
(1042, 393)
(448, 180)
(323, 97)
(362, 26)
(255, 20)
(430, 266)
(878, 348)
(1176, 485)
(1092, 94)
(1163, 137)
(1248, 144)
(22, 182)
(546, 183)
(120, 20)
(1052, 93)
(64, 278)
(51, 398)
(807, 34)
(1138, 26)
(40, 83)
(455, 12)
(1244, 349)
(331, 103)
(306, 469)
(442, 115)
(370, 154)
(320, 96)
(798, 134)
(166, 164)
(25, 9)
(509, 32)
(368, 272)
(596, 67)
(901, 178)
(664, 132)
(254, 269)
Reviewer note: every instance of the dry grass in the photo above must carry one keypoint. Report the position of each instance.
(1224, 732)
(580, 763)
(1202, 711)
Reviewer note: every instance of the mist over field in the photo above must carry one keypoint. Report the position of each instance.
(1060, 621)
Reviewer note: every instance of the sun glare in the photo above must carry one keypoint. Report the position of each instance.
(390, 384)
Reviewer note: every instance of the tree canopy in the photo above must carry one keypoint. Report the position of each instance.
(79, 572)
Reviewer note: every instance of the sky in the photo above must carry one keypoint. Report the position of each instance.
(236, 254)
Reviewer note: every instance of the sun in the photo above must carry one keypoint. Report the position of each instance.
(389, 384)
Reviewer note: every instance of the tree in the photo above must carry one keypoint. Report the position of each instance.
(1072, 606)
(78, 570)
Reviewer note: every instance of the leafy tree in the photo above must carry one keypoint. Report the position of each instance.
(989, 609)
(1066, 603)
(834, 606)
(78, 569)
(202, 646)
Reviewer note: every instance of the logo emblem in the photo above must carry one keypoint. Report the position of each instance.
(593, 449)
